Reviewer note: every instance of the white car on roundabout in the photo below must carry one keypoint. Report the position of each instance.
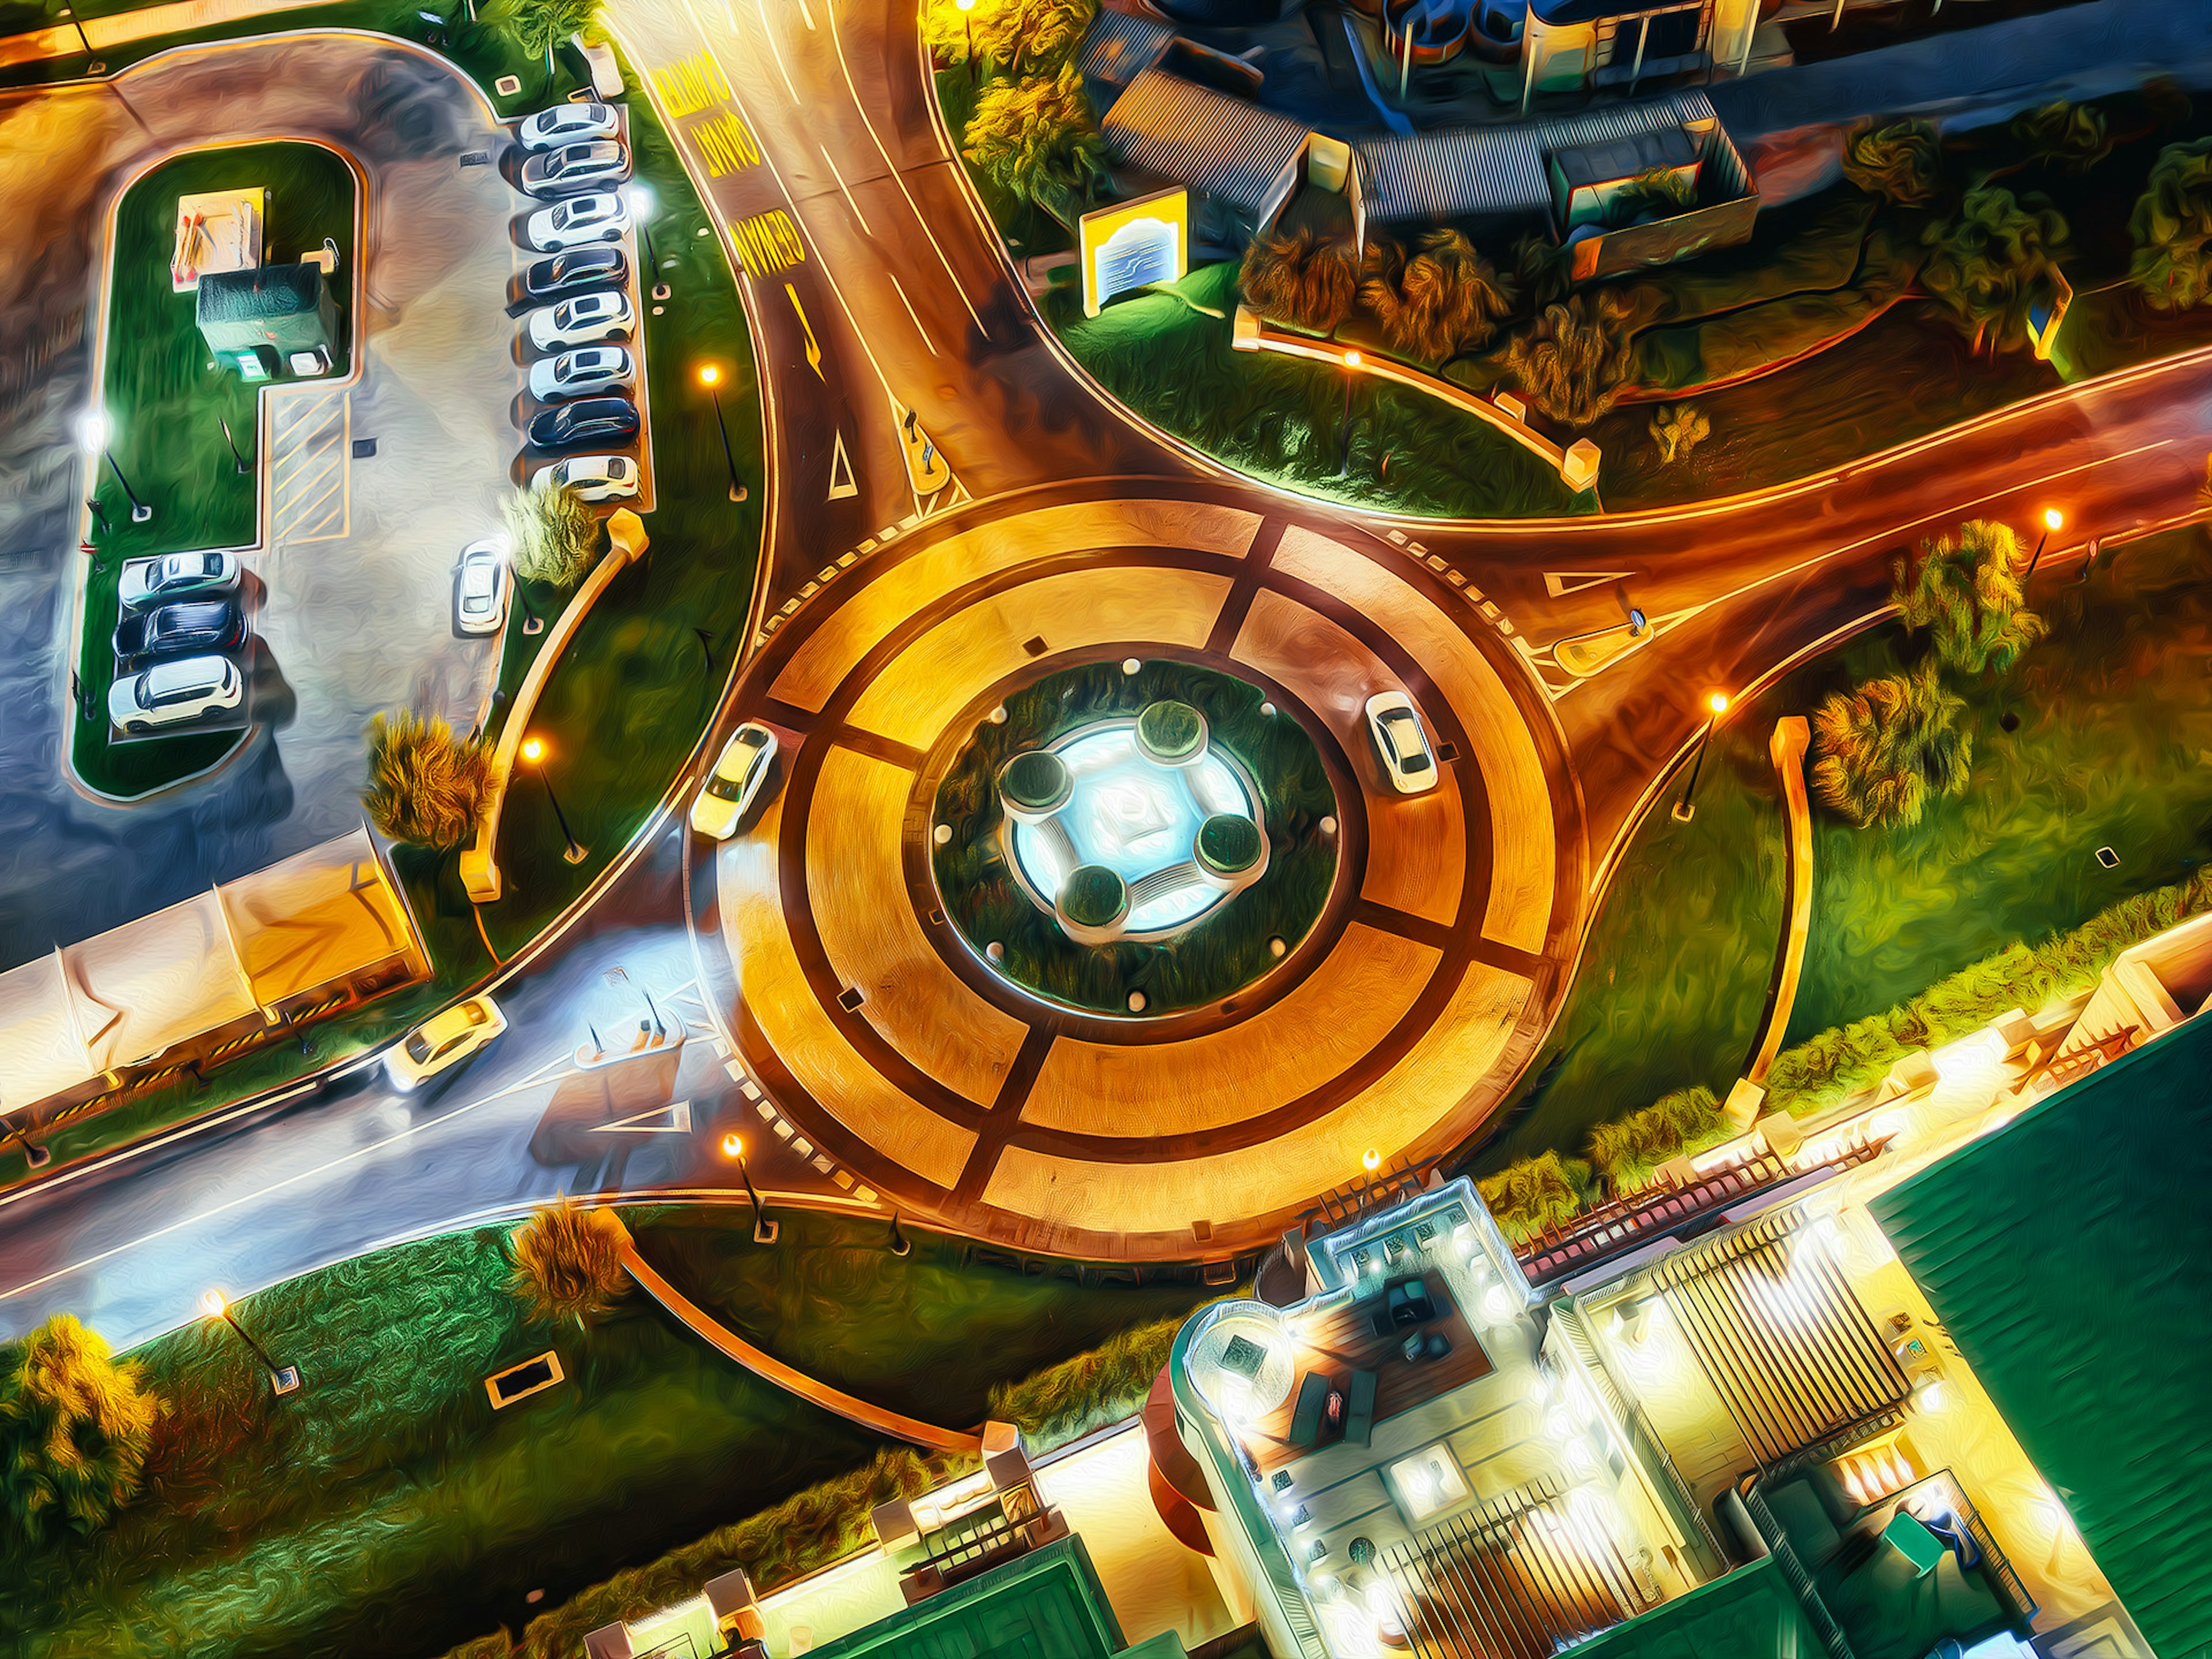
(443, 1042)
(1402, 743)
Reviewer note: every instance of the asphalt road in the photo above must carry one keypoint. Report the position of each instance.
(903, 302)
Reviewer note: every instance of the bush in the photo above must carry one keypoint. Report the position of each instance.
(75, 1427)
(1532, 1194)
(1170, 731)
(1093, 897)
(1300, 279)
(1443, 300)
(1573, 359)
(2069, 136)
(1900, 163)
(1966, 589)
(1034, 779)
(425, 785)
(552, 535)
(1038, 141)
(1228, 844)
(567, 1263)
(1630, 1150)
(1068, 1401)
(2172, 227)
(1885, 748)
(1677, 428)
(1992, 261)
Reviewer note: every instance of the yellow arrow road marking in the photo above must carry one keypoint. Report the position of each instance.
(813, 349)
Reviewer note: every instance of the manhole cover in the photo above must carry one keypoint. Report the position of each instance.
(363, 448)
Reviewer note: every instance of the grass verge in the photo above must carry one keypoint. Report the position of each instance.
(387, 1510)
(166, 403)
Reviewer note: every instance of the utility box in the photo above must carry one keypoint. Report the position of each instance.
(280, 312)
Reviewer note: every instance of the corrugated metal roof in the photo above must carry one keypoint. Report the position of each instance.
(1220, 145)
(236, 296)
(2069, 1255)
(1119, 47)
(1449, 173)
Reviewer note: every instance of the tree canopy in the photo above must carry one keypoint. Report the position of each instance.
(1037, 140)
(75, 1427)
(1884, 749)
(552, 535)
(568, 1263)
(538, 26)
(1301, 278)
(1902, 162)
(2071, 138)
(2172, 228)
(425, 785)
(1574, 358)
(1992, 261)
(1445, 299)
(1966, 590)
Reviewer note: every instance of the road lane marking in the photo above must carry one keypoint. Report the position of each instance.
(842, 186)
(910, 312)
(814, 346)
(841, 482)
(773, 51)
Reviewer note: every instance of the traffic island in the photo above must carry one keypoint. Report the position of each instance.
(1135, 842)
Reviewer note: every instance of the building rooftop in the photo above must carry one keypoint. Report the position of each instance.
(235, 296)
(2067, 1257)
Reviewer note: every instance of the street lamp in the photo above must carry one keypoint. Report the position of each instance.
(968, 22)
(1351, 361)
(711, 378)
(283, 1379)
(533, 752)
(2052, 519)
(1717, 702)
(764, 1230)
(642, 204)
(234, 454)
(35, 1156)
(95, 431)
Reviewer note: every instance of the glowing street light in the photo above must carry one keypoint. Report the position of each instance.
(1352, 361)
(283, 1379)
(2052, 519)
(1716, 704)
(764, 1230)
(533, 754)
(710, 376)
(95, 431)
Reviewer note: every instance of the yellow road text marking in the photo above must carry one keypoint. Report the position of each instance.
(767, 242)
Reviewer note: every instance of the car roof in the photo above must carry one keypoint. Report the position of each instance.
(192, 613)
(187, 670)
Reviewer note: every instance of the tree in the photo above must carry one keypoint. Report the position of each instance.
(1037, 140)
(1992, 261)
(538, 26)
(1027, 36)
(1573, 359)
(75, 1427)
(1901, 162)
(1546, 270)
(1885, 748)
(1966, 590)
(552, 535)
(425, 785)
(568, 1263)
(1677, 428)
(1300, 279)
(1440, 302)
(2172, 228)
(2069, 136)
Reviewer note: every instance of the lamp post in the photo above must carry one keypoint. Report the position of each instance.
(1370, 1160)
(2052, 519)
(533, 752)
(83, 38)
(35, 1156)
(900, 1244)
(968, 22)
(641, 203)
(1351, 361)
(1718, 703)
(764, 1230)
(95, 431)
(711, 378)
(283, 1379)
(234, 454)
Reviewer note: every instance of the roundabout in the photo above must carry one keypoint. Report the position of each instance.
(1127, 737)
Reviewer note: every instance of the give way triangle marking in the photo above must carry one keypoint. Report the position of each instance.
(1560, 583)
(674, 1119)
(842, 484)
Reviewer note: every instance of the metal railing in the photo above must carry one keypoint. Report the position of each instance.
(1778, 1543)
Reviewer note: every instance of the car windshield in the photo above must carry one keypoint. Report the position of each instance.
(1406, 740)
(562, 216)
(417, 1048)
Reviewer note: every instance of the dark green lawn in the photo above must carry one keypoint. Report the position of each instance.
(388, 1511)
(2114, 748)
(166, 402)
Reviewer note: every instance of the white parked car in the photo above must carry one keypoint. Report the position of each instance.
(580, 321)
(593, 477)
(442, 1041)
(480, 591)
(146, 582)
(735, 783)
(170, 693)
(568, 124)
(602, 217)
(1401, 742)
(575, 169)
(580, 373)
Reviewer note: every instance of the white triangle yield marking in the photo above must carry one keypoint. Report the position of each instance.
(674, 1119)
(842, 482)
(1560, 583)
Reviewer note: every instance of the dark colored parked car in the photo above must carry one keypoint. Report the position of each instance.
(191, 627)
(576, 270)
(586, 421)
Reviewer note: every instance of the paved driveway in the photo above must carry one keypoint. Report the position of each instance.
(359, 565)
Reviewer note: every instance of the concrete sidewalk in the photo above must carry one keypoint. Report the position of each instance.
(105, 33)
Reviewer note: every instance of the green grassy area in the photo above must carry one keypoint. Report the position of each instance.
(387, 1510)
(1214, 956)
(1282, 419)
(2112, 747)
(166, 402)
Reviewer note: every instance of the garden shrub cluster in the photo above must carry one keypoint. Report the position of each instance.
(1226, 948)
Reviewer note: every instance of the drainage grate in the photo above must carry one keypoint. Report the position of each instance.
(851, 997)
(477, 158)
(363, 448)
(2108, 858)
(1033, 645)
(1447, 752)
